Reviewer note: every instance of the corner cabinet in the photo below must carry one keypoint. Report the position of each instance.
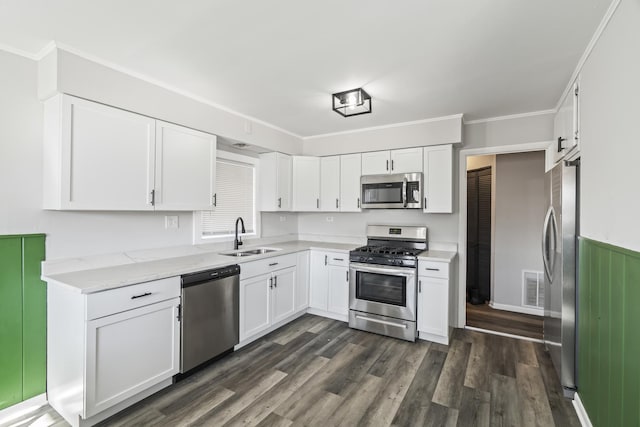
(275, 172)
(110, 349)
(566, 126)
(435, 294)
(98, 157)
(438, 179)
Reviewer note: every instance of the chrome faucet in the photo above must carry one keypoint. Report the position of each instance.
(238, 240)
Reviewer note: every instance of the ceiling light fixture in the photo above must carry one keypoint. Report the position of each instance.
(351, 102)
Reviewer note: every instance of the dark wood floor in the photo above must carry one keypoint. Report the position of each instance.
(317, 371)
(484, 317)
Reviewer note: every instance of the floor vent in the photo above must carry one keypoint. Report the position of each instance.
(532, 288)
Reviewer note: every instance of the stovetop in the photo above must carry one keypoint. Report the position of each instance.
(397, 256)
(388, 250)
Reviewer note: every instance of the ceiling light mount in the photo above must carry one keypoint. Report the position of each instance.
(351, 102)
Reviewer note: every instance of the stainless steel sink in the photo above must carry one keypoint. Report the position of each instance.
(249, 252)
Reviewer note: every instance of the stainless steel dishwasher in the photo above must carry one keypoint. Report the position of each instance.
(210, 313)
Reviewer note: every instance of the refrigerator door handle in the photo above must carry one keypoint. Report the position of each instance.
(554, 242)
(545, 254)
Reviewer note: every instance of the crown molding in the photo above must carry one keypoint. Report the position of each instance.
(392, 125)
(19, 52)
(511, 117)
(587, 52)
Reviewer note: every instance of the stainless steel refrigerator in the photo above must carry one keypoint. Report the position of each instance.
(559, 254)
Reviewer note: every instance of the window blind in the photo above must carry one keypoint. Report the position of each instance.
(235, 197)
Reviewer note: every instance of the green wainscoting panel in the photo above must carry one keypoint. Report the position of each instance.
(22, 319)
(34, 326)
(609, 334)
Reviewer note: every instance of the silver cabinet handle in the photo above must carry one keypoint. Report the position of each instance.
(146, 294)
(215, 199)
(387, 164)
(336, 203)
(325, 260)
(347, 275)
(358, 202)
(272, 264)
(391, 164)
(419, 286)
(279, 202)
(275, 281)
(270, 282)
(425, 203)
(338, 259)
(317, 203)
(432, 269)
(153, 197)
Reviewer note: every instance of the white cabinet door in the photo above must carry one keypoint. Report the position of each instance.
(284, 182)
(433, 306)
(376, 162)
(255, 305)
(338, 290)
(566, 125)
(330, 183)
(302, 281)
(318, 280)
(438, 179)
(185, 168)
(283, 294)
(106, 158)
(350, 172)
(406, 160)
(306, 183)
(129, 352)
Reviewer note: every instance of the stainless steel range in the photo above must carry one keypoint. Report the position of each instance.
(383, 280)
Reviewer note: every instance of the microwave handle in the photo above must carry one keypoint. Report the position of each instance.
(404, 192)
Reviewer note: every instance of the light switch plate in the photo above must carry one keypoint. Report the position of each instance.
(171, 221)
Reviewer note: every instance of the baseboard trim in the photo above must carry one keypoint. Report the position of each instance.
(581, 411)
(22, 409)
(517, 309)
(503, 334)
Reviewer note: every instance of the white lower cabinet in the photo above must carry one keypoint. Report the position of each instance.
(267, 295)
(329, 284)
(108, 350)
(433, 301)
(302, 280)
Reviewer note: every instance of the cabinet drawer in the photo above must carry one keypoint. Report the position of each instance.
(433, 269)
(337, 258)
(128, 297)
(267, 265)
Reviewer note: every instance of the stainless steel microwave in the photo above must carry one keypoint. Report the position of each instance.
(396, 191)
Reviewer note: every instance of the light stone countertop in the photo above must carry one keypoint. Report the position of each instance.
(438, 256)
(116, 276)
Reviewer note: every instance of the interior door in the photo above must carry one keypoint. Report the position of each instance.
(479, 235)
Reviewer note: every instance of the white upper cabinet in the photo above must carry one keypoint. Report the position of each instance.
(275, 182)
(98, 157)
(566, 124)
(350, 171)
(406, 160)
(330, 183)
(376, 162)
(438, 179)
(185, 168)
(306, 183)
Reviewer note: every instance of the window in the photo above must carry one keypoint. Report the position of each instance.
(235, 196)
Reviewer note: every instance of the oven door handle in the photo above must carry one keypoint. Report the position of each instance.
(389, 270)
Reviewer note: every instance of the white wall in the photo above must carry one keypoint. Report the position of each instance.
(610, 142)
(519, 213)
(477, 162)
(518, 130)
(71, 234)
(431, 132)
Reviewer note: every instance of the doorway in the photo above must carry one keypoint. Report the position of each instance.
(504, 208)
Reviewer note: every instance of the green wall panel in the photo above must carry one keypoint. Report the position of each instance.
(23, 301)
(34, 326)
(609, 334)
(10, 321)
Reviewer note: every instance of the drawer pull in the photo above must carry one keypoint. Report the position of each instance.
(433, 269)
(272, 264)
(146, 294)
(338, 259)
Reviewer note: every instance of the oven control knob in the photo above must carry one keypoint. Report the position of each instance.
(370, 259)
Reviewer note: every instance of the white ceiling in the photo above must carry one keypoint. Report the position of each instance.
(280, 60)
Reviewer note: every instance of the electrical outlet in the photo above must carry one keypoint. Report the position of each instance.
(283, 218)
(171, 221)
(329, 219)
